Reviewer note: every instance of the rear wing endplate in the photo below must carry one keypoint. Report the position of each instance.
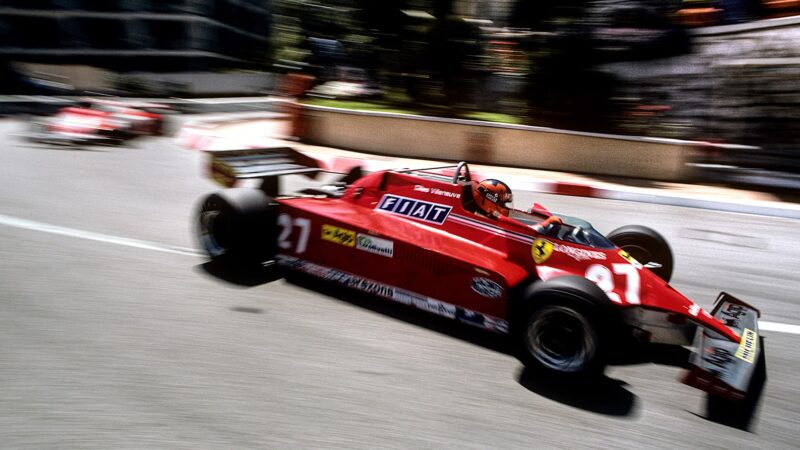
(718, 365)
(226, 167)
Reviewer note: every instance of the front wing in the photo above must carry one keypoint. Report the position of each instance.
(720, 366)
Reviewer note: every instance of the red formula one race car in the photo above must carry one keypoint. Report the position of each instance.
(102, 122)
(566, 294)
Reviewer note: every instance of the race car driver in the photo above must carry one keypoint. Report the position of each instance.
(492, 198)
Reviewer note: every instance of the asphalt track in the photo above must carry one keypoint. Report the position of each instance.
(116, 334)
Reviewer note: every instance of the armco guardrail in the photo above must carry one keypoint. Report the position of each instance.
(490, 143)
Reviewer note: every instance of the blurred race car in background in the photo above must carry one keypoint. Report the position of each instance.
(100, 121)
(568, 296)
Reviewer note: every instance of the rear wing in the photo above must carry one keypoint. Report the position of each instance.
(720, 366)
(226, 167)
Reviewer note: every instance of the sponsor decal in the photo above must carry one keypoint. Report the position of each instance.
(486, 287)
(541, 250)
(479, 320)
(393, 293)
(578, 254)
(414, 209)
(498, 325)
(407, 298)
(436, 307)
(731, 315)
(747, 347)
(625, 255)
(470, 317)
(719, 359)
(425, 303)
(372, 244)
(341, 236)
(363, 284)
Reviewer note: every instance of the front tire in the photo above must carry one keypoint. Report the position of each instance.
(238, 225)
(645, 245)
(562, 328)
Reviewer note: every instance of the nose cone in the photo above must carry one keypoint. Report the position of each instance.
(658, 294)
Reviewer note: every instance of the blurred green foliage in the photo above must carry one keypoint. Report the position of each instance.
(540, 67)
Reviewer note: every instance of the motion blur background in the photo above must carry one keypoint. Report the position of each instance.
(715, 70)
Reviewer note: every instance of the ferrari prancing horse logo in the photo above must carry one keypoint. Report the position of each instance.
(541, 250)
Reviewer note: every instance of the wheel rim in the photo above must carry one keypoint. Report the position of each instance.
(213, 232)
(561, 339)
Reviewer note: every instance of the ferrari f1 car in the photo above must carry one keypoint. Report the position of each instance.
(101, 122)
(566, 294)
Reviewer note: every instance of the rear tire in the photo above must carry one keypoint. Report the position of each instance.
(645, 245)
(562, 328)
(238, 225)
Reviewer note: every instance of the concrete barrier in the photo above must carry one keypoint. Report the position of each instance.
(198, 84)
(490, 143)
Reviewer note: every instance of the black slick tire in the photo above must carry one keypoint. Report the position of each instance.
(238, 226)
(562, 328)
(645, 245)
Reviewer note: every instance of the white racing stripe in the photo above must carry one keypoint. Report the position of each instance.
(146, 245)
(80, 234)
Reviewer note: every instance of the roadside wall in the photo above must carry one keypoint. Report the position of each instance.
(81, 77)
(190, 84)
(510, 145)
(193, 84)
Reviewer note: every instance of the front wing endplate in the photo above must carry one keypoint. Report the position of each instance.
(718, 365)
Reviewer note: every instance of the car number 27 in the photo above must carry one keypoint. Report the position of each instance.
(287, 223)
(604, 278)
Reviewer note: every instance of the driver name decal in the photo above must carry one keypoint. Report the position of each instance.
(414, 209)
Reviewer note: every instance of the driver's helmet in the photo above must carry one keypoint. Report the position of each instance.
(493, 197)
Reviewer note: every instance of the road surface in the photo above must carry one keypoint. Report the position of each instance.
(116, 333)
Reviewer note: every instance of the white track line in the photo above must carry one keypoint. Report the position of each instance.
(89, 235)
(135, 243)
(778, 327)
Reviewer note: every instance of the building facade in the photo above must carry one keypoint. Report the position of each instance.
(142, 35)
